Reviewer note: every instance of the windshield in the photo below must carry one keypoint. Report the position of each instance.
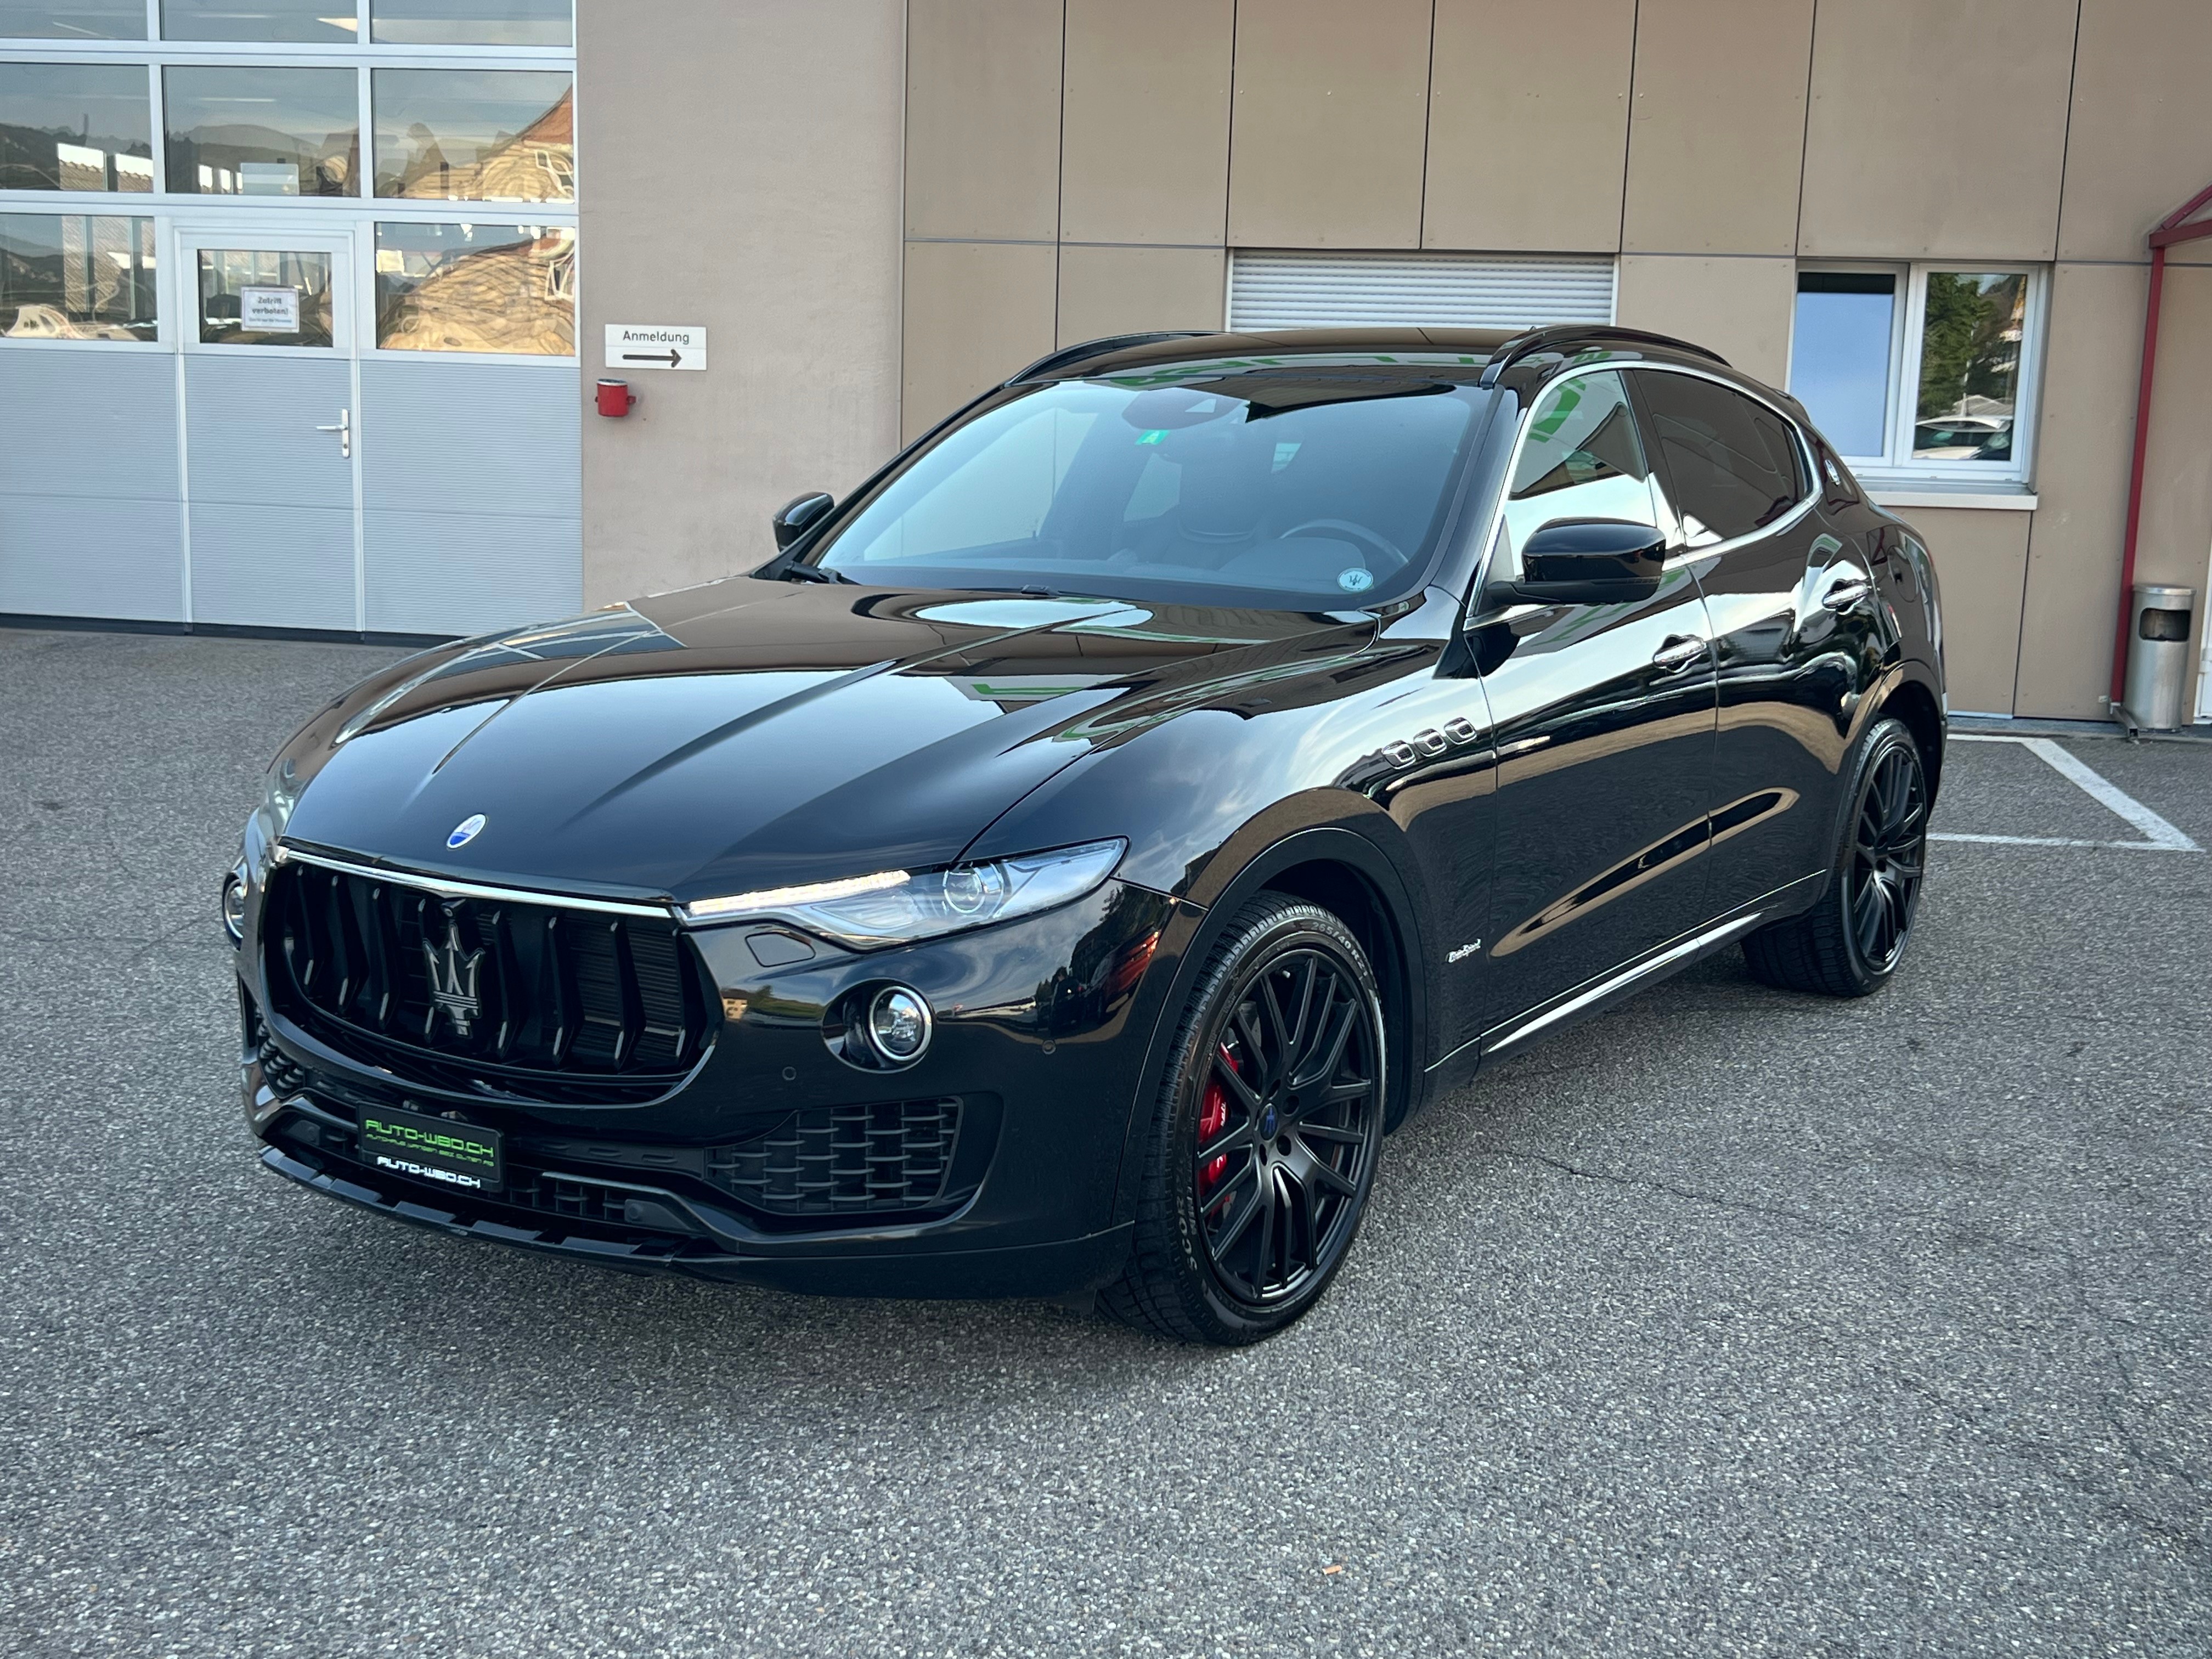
(1299, 490)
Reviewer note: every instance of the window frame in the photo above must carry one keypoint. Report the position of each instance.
(357, 215)
(1663, 475)
(1497, 549)
(1896, 466)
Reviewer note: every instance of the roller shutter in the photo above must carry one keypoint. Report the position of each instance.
(1466, 290)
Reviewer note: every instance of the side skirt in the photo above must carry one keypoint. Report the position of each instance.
(1593, 998)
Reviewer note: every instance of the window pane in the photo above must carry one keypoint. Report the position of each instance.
(1839, 358)
(75, 126)
(476, 287)
(86, 20)
(263, 132)
(1583, 458)
(475, 135)
(1970, 366)
(1730, 462)
(1262, 490)
(258, 20)
(70, 277)
(261, 296)
(472, 22)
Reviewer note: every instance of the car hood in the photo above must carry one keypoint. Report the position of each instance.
(755, 733)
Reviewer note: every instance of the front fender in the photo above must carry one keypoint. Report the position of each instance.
(1360, 856)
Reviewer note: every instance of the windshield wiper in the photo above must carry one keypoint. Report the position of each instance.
(811, 573)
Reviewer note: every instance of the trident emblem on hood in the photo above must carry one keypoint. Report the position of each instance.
(453, 978)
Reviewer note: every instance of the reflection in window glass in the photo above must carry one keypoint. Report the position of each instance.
(75, 126)
(475, 135)
(1839, 355)
(85, 20)
(1582, 460)
(476, 287)
(258, 20)
(73, 276)
(1311, 489)
(1970, 347)
(262, 296)
(471, 22)
(1731, 463)
(254, 131)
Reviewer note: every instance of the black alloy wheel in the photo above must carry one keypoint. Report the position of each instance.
(1268, 1132)
(1889, 854)
(1851, 943)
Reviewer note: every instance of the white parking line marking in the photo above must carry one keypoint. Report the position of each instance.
(2159, 836)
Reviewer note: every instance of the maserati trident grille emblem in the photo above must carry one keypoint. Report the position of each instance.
(454, 979)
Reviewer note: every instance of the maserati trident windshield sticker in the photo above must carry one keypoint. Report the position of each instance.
(1358, 580)
(466, 830)
(453, 978)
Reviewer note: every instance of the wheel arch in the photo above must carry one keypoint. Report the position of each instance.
(1347, 873)
(1915, 704)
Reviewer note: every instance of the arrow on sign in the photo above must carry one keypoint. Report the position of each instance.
(670, 358)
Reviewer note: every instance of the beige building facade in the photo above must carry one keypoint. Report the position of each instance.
(880, 209)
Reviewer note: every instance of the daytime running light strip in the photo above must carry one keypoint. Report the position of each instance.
(784, 898)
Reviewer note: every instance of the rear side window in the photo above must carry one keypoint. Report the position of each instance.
(1730, 463)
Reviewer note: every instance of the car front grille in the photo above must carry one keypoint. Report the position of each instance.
(497, 998)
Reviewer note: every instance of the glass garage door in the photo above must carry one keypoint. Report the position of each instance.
(288, 312)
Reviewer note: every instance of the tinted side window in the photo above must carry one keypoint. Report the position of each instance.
(1731, 463)
(1582, 459)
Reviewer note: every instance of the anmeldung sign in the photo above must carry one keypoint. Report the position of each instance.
(269, 310)
(656, 345)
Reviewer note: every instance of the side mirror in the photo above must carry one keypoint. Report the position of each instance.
(1586, 562)
(798, 515)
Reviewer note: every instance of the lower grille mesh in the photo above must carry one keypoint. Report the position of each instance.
(835, 1160)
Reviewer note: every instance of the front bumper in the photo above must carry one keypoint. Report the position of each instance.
(1045, 1033)
(1068, 1267)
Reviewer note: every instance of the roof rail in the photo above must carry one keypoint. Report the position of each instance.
(1053, 362)
(1563, 334)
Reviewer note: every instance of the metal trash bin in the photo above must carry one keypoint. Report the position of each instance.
(2158, 654)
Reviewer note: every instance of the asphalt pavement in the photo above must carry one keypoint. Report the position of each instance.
(1734, 1322)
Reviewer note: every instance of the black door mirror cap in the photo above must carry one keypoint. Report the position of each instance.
(1585, 562)
(1616, 539)
(798, 515)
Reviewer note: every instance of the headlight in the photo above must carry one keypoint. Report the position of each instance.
(894, 907)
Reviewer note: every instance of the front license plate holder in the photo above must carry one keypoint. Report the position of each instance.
(465, 1156)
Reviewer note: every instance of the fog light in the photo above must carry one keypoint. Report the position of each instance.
(898, 1024)
(233, 907)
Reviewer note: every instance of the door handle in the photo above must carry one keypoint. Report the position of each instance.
(1847, 595)
(344, 429)
(1679, 650)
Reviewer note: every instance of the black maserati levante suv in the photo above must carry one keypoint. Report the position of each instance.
(1060, 868)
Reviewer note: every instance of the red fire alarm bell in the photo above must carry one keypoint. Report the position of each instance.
(616, 398)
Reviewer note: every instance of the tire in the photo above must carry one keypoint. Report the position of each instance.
(1237, 1241)
(1850, 943)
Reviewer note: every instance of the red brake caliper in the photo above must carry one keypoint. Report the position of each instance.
(1212, 1119)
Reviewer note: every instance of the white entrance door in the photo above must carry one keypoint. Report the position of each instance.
(271, 423)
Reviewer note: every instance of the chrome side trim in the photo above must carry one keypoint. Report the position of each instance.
(444, 889)
(1604, 990)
